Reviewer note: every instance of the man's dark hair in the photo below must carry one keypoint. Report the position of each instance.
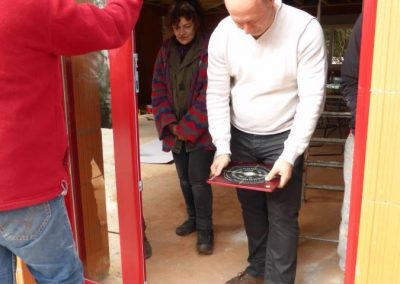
(188, 9)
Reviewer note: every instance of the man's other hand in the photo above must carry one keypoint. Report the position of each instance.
(220, 162)
(283, 169)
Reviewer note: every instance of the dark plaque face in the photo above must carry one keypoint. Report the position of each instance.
(243, 174)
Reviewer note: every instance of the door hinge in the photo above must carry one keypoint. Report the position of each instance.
(136, 72)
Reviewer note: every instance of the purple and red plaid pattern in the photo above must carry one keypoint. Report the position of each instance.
(194, 124)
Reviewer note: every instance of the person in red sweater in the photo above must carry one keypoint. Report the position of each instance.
(33, 145)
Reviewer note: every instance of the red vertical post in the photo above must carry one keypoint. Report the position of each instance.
(127, 164)
(363, 99)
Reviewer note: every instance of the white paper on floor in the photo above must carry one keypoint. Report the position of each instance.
(152, 153)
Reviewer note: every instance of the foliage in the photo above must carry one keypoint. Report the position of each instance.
(100, 3)
(103, 79)
(102, 72)
(336, 40)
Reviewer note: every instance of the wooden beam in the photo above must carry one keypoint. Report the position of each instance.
(299, 2)
(334, 9)
(87, 163)
(22, 273)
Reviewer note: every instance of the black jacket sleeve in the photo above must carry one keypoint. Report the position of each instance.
(350, 70)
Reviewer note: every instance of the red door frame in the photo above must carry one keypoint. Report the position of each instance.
(127, 161)
(363, 99)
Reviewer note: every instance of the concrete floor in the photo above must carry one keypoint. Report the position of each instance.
(175, 260)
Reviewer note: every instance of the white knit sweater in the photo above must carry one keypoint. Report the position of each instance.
(270, 84)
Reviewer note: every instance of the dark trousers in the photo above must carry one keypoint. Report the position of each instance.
(270, 219)
(193, 169)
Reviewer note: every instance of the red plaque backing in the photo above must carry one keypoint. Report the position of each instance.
(246, 175)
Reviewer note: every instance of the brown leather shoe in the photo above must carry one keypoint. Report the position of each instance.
(245, 278)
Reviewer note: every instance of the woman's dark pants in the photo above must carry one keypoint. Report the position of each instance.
(193, 169)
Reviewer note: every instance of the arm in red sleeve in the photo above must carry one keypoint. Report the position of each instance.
(81, 28)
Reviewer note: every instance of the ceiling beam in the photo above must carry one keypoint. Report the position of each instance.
(299, 2)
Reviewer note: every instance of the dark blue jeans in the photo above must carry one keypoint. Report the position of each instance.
(193, 169)
(41, 236)
(270, 219)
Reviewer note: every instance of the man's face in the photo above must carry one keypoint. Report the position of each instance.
(252, 16)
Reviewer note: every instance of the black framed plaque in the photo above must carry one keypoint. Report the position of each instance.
(246, 175)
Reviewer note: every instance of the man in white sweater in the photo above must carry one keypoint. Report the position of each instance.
(266, 81)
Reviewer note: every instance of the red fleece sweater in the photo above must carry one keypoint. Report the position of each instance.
(33, 35)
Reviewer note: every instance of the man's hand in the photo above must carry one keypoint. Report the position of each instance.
(220, 162)
(283, 169)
